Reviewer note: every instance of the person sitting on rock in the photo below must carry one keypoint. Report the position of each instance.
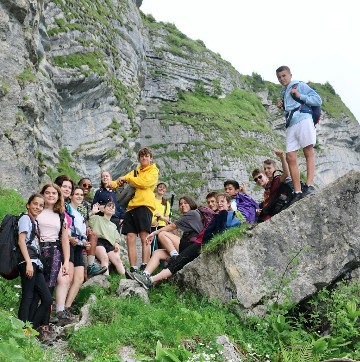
(190, 223)
(221, 220)
(108, 238)
(241, 203)
(266, 180)
(104, 195)
(161, 212)
(211, 200)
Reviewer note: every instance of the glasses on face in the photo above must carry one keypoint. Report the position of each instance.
(86, 186)
(258, 178)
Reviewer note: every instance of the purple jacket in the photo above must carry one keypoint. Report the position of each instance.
(247, 206)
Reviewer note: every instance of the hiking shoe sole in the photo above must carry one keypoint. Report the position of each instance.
(101, 271)
(129, 274)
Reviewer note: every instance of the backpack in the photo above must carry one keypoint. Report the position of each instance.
(125, 192)
(315, 111)
(281, 199)
(9, 248)
(206, 216)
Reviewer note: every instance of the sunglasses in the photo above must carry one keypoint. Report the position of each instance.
(258, 178)
(87, 186)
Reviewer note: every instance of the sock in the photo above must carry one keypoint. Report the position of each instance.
(298, 192)
(143, 264)
(91, 259)
(151, 279)
(134, 266)
(173, 253)
(146, 273)
(60, 307)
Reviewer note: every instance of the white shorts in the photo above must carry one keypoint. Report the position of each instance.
(300, 135)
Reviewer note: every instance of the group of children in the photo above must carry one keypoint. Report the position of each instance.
(64, 230)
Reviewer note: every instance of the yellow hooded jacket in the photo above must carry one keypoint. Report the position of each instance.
(145, 183)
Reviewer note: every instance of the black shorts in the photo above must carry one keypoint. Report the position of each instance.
(76, 255)
(136, 220)
(105, 244)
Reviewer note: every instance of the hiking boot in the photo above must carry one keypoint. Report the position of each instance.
(54, 319)
(142, 268)
(296, 198)
(65, 317)
(129, 273)
(144, 280)
(309, 190)
(93, 270)
(44, 334)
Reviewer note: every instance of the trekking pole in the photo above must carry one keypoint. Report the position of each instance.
(171, 205)
(154, 241)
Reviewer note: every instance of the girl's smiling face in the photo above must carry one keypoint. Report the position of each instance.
(77, 197)
(184, 206)
(51, 196)
(66, 189)
(35, 207)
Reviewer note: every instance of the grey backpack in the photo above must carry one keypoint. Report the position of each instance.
(125, 192)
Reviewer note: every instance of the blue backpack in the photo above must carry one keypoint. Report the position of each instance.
(315, 111)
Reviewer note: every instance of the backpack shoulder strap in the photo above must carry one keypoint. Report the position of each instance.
(135, 172)
(62, 218)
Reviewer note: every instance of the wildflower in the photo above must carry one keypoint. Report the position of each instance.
(17, 286)
(17, 294)
(11, 309)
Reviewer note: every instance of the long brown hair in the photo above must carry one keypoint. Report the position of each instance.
(59, 206)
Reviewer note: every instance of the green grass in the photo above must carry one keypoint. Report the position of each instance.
(226, 239)
(63, 166)
(26, 77)
(11, 202)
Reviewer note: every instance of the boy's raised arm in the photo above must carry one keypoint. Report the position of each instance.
(285, 174)
(147, 180)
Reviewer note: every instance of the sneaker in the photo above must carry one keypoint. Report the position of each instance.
(174, 257)
(93, 270)
(129, 273)
(65, 317)
(309, 190)
(296, 198)
(54, 319)
(142, 268)
(144, 280)
(44, 334)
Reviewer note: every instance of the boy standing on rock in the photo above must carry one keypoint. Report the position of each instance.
(140, 209)
(300, 132)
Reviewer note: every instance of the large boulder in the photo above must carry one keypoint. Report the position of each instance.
(320, 234)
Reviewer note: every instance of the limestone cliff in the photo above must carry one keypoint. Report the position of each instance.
(87, 84)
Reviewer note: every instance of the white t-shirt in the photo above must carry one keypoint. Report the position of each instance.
(233, 204)
(49, 223)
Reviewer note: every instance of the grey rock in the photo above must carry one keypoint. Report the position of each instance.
(327, 222)
(85, 320)
(127, 354)
(129, 288)
(229, 351)
(97, 280)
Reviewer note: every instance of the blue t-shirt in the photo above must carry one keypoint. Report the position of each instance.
(25, 225)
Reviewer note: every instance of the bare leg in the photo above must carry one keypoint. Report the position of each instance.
(146, 249)
(71, 272)
(102, 255)
(158, 255)
(310, 164)
(62, 287)
(169, 241)
(115, 259)
(164, 274)
(291, 158)
(93, 239)
(75, 286)
(131, 245)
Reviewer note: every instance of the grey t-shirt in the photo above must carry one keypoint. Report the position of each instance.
(25, 225)
(190, 223)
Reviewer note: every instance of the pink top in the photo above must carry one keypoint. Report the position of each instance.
(49, 224)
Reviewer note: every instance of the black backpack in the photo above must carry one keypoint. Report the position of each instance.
(9, 248)
(280, 200)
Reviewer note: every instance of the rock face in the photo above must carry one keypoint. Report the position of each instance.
(327, 223)
(101, 80)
